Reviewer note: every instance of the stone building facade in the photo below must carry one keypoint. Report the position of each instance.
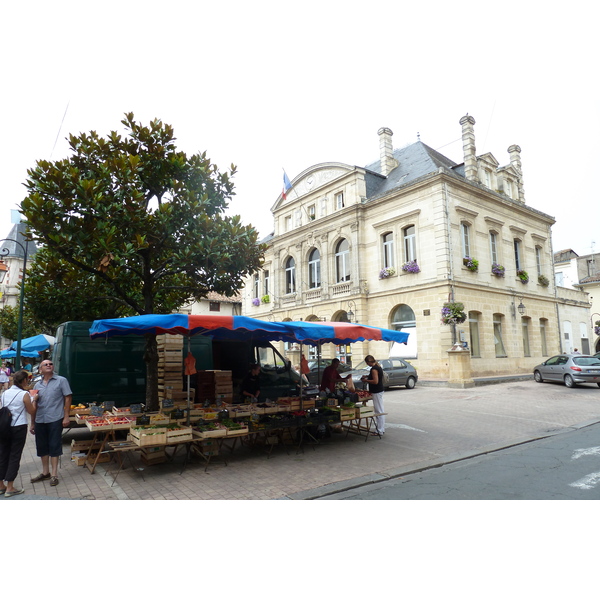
(387, 245)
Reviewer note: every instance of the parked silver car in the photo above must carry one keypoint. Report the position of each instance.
(399, 372)
(316, 370)
(569, 369)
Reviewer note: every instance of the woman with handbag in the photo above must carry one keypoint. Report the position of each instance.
(19, 402)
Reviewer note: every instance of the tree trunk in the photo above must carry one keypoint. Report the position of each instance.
(151, 359)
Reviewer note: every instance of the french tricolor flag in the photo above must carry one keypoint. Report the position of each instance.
(286, 185)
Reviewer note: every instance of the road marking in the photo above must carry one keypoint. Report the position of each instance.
(588, 482)
(402, 426)
(585, 452)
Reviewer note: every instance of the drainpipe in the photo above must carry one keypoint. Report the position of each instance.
(449, 234)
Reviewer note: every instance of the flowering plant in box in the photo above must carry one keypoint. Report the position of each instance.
(386, 272)
(523, 275)
(411, 267)
(597, 328)
(453, 312)
(543, 280)
(256, 302)
(497, 270)
(471, 263)
(266, 299)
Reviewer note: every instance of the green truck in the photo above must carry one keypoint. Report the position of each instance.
(114, 368)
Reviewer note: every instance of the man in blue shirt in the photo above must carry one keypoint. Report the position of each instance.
(53, 403)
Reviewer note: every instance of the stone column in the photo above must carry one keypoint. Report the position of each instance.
(459, 366)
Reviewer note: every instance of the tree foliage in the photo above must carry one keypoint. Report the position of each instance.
(131, 225)
(9, 323)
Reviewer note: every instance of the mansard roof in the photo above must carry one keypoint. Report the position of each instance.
(9, 248)
(414, 161)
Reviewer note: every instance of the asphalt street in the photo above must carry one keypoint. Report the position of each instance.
(565, 466)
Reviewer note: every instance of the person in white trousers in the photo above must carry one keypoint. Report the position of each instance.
(375, 381)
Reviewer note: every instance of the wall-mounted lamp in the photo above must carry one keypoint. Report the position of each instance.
(520, 307)
(351, 313)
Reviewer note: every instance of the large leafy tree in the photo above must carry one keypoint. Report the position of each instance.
(138, 225)
(9, 323)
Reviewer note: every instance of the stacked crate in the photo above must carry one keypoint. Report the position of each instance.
(170, 365)
(214, 387)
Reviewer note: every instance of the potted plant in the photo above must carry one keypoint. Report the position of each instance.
(386, 272)
(497, 270)
(411, 267)
(543, 280)
(597, 328)
(523, 275)
(256, 302)
(471, 263)
(265, 299)
(453, 312)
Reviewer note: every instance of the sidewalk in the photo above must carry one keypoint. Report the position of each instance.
(425, 427)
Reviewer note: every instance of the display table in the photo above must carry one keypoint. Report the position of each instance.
(361, 425)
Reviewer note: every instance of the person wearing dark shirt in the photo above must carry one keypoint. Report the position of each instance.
(375, 381)
(251, 384)
(331, 376)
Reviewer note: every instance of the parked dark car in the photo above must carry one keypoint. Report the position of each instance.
(399, 372)
(317, 368)
(569, 369)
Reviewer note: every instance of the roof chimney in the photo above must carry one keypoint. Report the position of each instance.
(386, 151)
(468, 139)
(515, 161)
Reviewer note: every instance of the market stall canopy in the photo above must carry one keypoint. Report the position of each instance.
(238, 327)
(8, 353)
(37, 343)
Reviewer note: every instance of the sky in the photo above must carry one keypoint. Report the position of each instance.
(269, 86)
(273, 86)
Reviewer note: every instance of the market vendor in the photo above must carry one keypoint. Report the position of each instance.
(331, 376)
(251, 384)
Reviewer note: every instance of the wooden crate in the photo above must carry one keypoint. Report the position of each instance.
(177, 436)
(362, 412)
(84, 445)
(347, 414)
(240, 431)
(79, 459)
(155, 436)
(213, 433)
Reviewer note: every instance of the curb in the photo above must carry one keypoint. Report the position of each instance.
(350, 484)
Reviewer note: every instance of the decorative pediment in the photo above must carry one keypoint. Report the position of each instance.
(311, 180)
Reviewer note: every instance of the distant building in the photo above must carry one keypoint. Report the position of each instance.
(12, 256)
(582, 273)
(388, 244)
(215, 304)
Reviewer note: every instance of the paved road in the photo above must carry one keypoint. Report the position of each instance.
(427, 426)
(565, 466)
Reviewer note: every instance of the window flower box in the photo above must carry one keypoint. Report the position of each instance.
(523, 276)
(265, 299)
(386, 272)
(256, 302)
(543, 280)
(453, 312)
(471, 263)
(497, 270)
(411, 267)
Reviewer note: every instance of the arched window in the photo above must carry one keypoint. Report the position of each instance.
(314, 269)
(465, 239)
(498, 342)
(403, 319)
(290, 276)
(342, 261)
(388, 250)
(410, 243)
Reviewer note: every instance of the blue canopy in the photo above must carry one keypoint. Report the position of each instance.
(8, 353)
(240, 327)
(37, 343)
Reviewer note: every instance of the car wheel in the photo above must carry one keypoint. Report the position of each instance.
(570, 382)
(411, 382)
(538, 377)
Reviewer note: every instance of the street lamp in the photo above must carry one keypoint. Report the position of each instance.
(350, 313)
(4, 252)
